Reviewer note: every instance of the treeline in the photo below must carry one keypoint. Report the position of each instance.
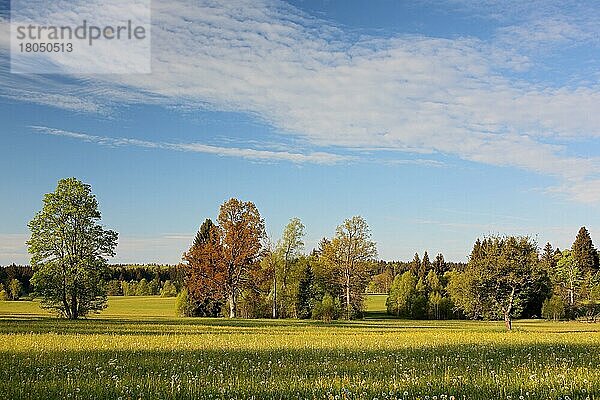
(144, 280)
(505, 278)
(120, 279)
(233, 269)
(15, 281)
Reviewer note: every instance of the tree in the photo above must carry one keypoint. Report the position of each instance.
(415, 265)
(142, 288)
(498, 277)
(350, 253)
(3, 294)
(567, 278)
(168, 290)
(204, 232)
(553, 308)
(222, 267)
(435, 294)
(306, 293)
(584, 252)
(439, 265)
(69, 250)
(402, 293)
(419, 308)
(425, 265)
(205, 276)
(114, 288)
(14, 289)
(242, 231)
(289, 248)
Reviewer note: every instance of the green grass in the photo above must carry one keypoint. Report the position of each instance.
(118, 307)
(375, 306)
(128, 354)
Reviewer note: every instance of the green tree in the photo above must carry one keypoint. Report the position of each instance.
(114, 288)
(402, 293)
(306, 292)
(435, 295)
(289, 249)
(499, 276)
(584, 252)
(184, 304)
(567, 278)
(142, 288)
(419, 307)
(69, 250)
(553, 308)
(15, 287)
(415, 265)
(425, 265)
(439, 265)
(349, 254)
(203, 233)
(3, 294)
(154, 286)
(168, 289)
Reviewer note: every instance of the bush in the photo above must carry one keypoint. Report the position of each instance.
(142, 288)
(553, 308)
(3, 294)
(183, 304)
(154, 286)
(114, 288)
(327, 309)
(168, 290)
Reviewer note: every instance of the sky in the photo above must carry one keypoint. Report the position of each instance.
(437, 121)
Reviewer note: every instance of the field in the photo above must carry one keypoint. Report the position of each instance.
(136, 349)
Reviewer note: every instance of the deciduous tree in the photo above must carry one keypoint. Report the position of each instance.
(69, 250)
(350, 253)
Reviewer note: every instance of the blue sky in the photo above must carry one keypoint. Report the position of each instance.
(439, 122)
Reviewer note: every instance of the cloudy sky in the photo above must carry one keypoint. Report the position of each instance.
(438, 121)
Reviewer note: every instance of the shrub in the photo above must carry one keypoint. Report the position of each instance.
(183, 304)
(327, 309)
(114, 288)
(168, 290)
(142, 288)
(3, 294)
(154, 286)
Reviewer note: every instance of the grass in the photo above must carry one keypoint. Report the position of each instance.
(118, 307)
(127, 354)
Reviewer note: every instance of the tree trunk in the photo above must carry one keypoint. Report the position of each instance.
(232, 305)
(348, 296)
(507, 321)
(275, 293)
(74, 311)
(508, 310)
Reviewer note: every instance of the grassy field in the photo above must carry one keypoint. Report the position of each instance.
(137, 350)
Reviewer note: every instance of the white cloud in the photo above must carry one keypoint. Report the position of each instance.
(310, 79)
(13, 248)
(251, 154)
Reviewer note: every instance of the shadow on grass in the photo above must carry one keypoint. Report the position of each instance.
(195, 326)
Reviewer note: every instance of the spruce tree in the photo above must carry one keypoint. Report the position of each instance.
(203, 233)
(425, 265)
(584, 252)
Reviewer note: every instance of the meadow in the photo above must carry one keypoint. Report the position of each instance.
(137, 349)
